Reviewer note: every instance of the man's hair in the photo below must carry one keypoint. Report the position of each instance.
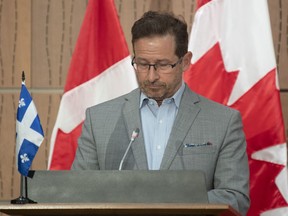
(154, 23)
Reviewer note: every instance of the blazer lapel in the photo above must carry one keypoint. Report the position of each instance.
(186, 115)
(131, 115)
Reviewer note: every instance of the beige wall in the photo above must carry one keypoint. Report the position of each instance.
(38, 36)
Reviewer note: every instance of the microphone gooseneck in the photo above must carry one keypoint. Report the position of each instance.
(134, 135)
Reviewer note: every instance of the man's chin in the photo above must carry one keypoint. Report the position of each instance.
(155, 96)
(154, 93)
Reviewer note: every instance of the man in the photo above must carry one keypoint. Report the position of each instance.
(178, 128)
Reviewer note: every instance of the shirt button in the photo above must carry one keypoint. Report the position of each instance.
(158, 147)
(160, 121)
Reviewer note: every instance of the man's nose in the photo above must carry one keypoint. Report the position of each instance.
(152, 73)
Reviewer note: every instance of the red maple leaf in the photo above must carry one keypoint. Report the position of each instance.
(208, 76)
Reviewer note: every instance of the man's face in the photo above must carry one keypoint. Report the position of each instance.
(160, 50)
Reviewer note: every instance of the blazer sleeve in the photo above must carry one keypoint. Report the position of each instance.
(86, 154)
(231, 179)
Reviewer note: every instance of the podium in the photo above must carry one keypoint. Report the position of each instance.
(113, 186)
(127, 192)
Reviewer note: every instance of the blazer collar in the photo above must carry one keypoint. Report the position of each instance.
(131, 114)
(187, 113)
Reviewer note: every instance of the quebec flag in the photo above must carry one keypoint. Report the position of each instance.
(29, 132)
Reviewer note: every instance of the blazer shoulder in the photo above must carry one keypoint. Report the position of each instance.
(215, 107)
(214, 103)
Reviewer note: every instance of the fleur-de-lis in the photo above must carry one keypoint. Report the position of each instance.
(21, 103)
(24, 158)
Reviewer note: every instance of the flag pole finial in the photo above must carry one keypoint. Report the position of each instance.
(23, 76)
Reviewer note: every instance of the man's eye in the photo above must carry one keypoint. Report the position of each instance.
(163, 66)
(142, 65)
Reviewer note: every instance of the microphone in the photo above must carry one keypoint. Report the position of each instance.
(134, 135)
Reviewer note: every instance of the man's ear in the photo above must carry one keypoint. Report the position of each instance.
(186, 60)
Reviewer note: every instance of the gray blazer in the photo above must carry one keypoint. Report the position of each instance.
(205, 136)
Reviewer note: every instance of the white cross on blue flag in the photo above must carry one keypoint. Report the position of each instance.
(29, 132)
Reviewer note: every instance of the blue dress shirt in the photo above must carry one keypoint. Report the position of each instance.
(157, 123)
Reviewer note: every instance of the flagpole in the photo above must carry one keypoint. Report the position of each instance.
(23, 76)
(23, 198)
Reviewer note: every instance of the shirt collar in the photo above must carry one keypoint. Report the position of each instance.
(176, 97)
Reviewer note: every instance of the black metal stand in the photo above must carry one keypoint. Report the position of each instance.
(23, 198)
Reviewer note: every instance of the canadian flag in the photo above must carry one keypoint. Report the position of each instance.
(100, 70)
(233, 63)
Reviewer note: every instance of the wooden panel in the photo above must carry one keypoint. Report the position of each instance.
(284, 101)
(9, 176)
(279, 22)
(131, 10)
(55, 29)
(15, 43)
(15, 50)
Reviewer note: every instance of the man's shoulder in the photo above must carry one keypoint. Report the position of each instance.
(211, 105)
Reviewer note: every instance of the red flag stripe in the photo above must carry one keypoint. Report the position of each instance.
(100, 70)
(101, 43)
